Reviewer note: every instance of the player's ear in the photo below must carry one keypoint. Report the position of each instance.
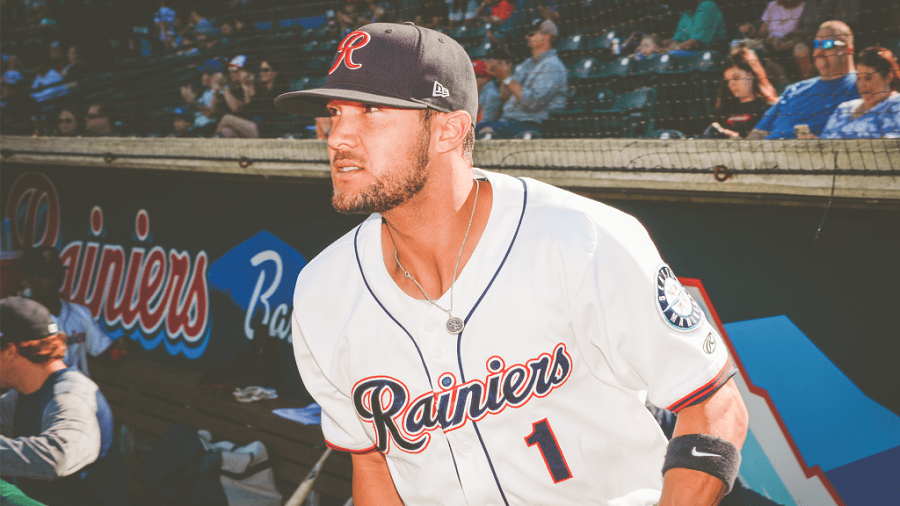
(452, 132)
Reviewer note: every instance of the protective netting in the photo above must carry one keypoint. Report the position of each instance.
(634, 68)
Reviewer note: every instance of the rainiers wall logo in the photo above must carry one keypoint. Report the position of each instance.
(385, 402)
(352, 42)
(33, 209)
(152, 295)
(259, 275)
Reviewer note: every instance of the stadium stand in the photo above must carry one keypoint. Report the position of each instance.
(134, 72)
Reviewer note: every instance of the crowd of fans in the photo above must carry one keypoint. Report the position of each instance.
(522, 78)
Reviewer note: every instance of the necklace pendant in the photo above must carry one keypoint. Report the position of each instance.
(455, 325)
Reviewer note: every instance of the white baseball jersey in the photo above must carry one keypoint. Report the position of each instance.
(83, 335)
(569, 312)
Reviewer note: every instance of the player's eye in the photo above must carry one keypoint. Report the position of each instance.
(333, 111)
(372, 108)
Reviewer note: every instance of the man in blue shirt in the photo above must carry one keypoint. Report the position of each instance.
(811, 102)
(537, 87)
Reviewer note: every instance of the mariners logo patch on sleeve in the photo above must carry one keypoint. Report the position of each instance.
(675, 304)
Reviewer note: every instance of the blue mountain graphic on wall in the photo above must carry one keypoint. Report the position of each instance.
(258, 261)
(852, 438)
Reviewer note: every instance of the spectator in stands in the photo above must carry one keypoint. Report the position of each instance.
(816, 12)
(347, 17)
(44, 80)
(780, 31)
(233, 92)
(69, 122)
(260, 109)
(876, 113)
(207, 105)
(489, 102)
(812, 101)
(98, 120)
(495, 11)
(376, 12)
(57, 428)
(57, 58)
(77, 69)
(701, 26)
(44, 276)
(744, 96)
(226, 29)
(182, 121)
(17, 106)
(538, 86)
(243, 26)
(200, 25)
(164, 19)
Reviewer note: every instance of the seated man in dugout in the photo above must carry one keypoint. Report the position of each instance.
(57, 428)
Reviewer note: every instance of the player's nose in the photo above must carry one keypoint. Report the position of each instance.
(343, 134)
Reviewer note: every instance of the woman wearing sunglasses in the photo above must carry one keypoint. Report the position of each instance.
(877, 113)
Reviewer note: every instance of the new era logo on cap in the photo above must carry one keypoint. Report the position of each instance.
(439, 90)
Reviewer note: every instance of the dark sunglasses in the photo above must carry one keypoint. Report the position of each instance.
(827, 43)
(265, 69)
(65, 120)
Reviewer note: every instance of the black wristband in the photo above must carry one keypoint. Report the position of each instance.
(709, 454)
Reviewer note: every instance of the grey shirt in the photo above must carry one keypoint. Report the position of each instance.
(545, 84)
(70, 433)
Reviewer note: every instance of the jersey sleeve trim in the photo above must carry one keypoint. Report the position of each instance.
(348, 450)
(701, 394)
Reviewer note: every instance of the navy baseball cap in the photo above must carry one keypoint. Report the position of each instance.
(211, 66)
(24, 320)
(42, 260)
(404, 66)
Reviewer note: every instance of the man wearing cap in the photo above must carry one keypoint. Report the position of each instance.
(472, 313)
(538, 86)
(182, 121)
(809, 103)
(207, 106)
(57, 428)
(44, 275)
(488, 96)
(233, 92)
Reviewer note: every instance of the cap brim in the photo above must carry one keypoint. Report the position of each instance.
(311, 103)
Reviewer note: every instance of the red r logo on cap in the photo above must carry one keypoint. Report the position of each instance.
(352, 42)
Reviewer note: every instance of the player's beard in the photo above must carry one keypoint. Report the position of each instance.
(394, 187)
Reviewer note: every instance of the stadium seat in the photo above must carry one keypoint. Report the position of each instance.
(667, 134)
(603, 41)
(577, 119)
(696, 61)
(479, 51)
(570, 44)
(632, 116)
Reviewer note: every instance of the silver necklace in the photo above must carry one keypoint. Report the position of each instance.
(455, 324)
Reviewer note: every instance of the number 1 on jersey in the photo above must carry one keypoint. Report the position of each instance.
(542, 435)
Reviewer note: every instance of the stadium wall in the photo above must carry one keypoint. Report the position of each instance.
(191, 249)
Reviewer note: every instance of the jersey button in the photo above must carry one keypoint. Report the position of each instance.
(438, 352)
(467, 448)
(430, 325)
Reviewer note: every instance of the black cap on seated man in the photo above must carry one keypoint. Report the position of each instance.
(57, 438)
(374, 65)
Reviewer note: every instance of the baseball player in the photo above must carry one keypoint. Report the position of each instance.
(44, 275)
(482, 339)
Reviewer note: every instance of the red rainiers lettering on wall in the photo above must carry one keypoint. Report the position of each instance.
(140, 287)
